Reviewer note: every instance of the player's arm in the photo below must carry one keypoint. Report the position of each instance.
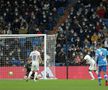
(29, 58)
(96, 58)
(87, 62)
(40, 59)
(107, 54)
(84, 59)
(107, 57)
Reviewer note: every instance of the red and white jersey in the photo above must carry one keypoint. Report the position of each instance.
(35, 57)
(89, 59)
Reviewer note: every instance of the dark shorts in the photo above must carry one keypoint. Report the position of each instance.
(102, 68)
(27, 73)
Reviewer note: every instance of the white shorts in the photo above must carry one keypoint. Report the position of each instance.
(35, 67)
(93, 67)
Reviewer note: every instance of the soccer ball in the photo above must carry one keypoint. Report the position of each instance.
(10, 73)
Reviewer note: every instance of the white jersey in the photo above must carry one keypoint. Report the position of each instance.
(35, 57)
(90, 61)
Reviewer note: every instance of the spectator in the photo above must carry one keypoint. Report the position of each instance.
(101, 11)
(94, 38)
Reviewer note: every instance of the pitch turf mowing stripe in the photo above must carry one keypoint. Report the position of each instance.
(51, 85)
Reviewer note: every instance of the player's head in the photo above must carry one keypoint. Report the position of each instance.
(85, 52)
(35, 48)
(98, 45)
(29, 61)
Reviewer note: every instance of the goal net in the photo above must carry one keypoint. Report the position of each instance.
(15, 49)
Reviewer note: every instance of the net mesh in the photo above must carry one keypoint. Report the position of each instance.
(50, 51)
(14, 51)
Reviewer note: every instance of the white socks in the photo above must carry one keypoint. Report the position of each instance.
(30, 74)
(35, 76)
(91, 74)
(96, 72)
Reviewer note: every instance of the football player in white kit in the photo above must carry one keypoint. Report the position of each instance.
(92, 67)
(35, 57)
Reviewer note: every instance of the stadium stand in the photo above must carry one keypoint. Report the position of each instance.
(79, 24)
(30, 16)
(85, 26)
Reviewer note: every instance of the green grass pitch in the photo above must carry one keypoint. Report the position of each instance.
(51, 85)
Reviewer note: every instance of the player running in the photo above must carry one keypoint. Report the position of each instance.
(101, 59)
(35, 59)
(27, 67)
(92, 67)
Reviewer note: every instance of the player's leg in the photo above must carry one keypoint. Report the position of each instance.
(49, 73)
(30, 73)
(95, 69)
(41, 75)
(26, 75)
(35, 75)
(99, 76)
(36, 69)
(106, 79)
(96, 72)
(90, 72)
(32, 76)
(105, 75)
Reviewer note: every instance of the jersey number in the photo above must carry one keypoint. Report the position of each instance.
(34, 57)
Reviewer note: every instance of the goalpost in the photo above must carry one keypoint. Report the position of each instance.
(15, 49)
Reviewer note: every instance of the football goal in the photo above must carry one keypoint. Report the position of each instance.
(15, 49)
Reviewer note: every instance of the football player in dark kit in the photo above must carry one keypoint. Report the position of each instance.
(27, 66)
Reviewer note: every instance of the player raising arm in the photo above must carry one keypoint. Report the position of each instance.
(35, 59)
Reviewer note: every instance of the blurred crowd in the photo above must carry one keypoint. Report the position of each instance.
(83, 29)
(87, 23)
(30, 16)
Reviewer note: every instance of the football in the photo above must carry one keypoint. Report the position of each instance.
(10, 73)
